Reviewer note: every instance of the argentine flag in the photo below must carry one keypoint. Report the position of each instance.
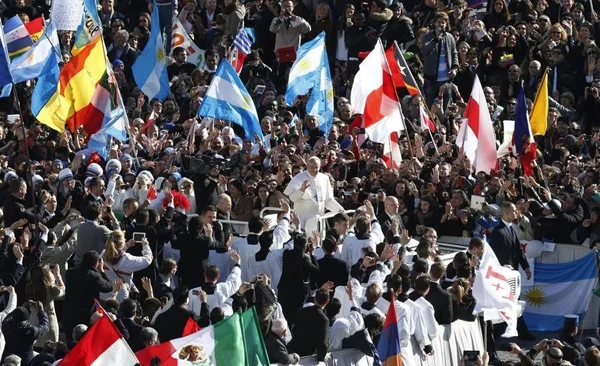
(320, 102)
(33, 63)
(305, 72)
(150, 68)
(559, 289)
(228, 99)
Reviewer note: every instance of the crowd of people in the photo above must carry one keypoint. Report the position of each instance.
(145, 231)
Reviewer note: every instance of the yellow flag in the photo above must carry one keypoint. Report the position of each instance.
(539, 114)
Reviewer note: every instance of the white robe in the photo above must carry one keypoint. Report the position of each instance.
(344, 327)
(223, 292)
(272, 266)
(315, 199)
(431, 332)
(245, 251)
(405, 327)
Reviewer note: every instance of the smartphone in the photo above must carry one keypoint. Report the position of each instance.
(362, 131)
(12, 118)
(195, 292)
(259, 89)
(477, 202)
(139, 237)
(470, 358)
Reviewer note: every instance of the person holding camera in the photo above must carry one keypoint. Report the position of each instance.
(288, 29)
(20, 334)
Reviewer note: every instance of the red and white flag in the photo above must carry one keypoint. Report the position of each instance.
(476, 135)
(374, 96)
(101, 345)
(426, 122)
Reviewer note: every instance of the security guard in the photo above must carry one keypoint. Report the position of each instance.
(15, 206)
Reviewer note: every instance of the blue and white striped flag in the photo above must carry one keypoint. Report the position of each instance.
(305, 72)
(150, 68)
(320, 102)
(227, 98)
(243, 42)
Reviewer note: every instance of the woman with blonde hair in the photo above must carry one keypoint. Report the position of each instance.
(45, 286)
(462, 300)
(120, 265)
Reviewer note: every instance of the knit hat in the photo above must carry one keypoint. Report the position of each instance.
(114, 165)
(94, 170)
(177, 176)
(10, 175)
(65, 174)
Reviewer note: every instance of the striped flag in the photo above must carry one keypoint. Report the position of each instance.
(243, 46)
(102, 344)
(388, 347)
(18, 40)
(403, 78)
(35, 28)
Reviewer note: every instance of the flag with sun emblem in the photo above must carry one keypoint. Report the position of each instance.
(320, 102)
(150, 68)
(228, 99)
(555, 282)
(305, 73)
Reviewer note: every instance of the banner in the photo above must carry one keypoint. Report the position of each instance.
(182, 39)
(67, 14)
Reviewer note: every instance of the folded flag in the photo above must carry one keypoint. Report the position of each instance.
(553, 283)
(18, 39)
(525, 146)
(388, 347)
(243, 46)
(227, 98)
(102, 344)
(539, 112)
(404, 81)
(236, 340)
(150, 68)
(33, 63)
(35, 28)
(320, 102)
(5, 75)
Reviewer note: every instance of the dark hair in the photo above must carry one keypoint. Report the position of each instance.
(340, 217)
(333, 308)
(321, 297)
(180, 295)
(142, 216)
(362, 225)
(239, 303)
(420, 266)
(216, 315)
(300, 242)
(329, 244)
(211, 273)
(476, 243)
(422, 284)
(178, 51)
(373, 293)
(195, 226)
(437, 270)
(266, 240)
(90, 259)
(394, 283)
(92, 212)
(208, 208)
(15, 185)
(128, 308)
(255, 225)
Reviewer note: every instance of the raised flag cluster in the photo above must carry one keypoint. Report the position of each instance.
(180, 38)
(310, 73)
(242, 46)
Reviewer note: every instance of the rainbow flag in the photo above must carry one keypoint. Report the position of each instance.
(388, 347)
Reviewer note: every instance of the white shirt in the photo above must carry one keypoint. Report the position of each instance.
(223, 292)
(344, 327)
(124, 269)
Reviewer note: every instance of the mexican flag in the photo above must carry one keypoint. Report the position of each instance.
(236, 340)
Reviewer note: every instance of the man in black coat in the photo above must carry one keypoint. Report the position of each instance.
(20, 334)
(15, 206)
(84, 285)
(127, 311)
(311, 327)
(275, 344)
(505, 243)
(390, 211)
(122, 51)
(438, 297)
(332, 268)
(171, 323)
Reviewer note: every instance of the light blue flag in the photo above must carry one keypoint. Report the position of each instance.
(304, 74)
(32, 63)
(553, 283)
(150, 68)
(90, 27)
(113, 126)
(228, 99)
(320, 102)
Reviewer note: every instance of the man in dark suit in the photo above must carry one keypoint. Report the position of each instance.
(438, 297)
(332, 268)
(96, 194)
(390, 211)
(122, 51)
(171, 323)
(127, 311)
(208, 15)
(505, 243)
(311, 327)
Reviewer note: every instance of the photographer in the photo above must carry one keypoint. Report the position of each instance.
(288, 29)
(20, 334)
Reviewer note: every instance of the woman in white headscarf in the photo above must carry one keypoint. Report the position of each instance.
(186, 187)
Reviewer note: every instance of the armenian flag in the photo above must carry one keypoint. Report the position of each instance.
(388, 347)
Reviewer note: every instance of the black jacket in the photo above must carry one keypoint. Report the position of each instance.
(20, 336)
(135, 330)
(276, 349)
(332, 269)
(442, 303)
(16, 209)
(310, 333)
(83, 285)
(505, 244)
(171, 323)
